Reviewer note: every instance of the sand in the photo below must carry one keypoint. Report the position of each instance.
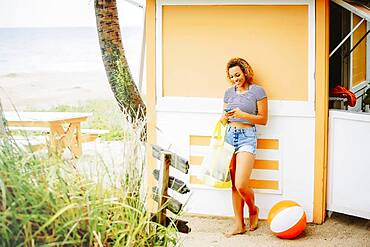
(339, 230)
(43, 90)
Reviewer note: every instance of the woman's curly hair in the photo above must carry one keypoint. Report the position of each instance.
(243, 65)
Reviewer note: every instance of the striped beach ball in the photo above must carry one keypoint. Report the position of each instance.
(287, 219)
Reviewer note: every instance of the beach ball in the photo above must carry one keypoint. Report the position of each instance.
(287, 219)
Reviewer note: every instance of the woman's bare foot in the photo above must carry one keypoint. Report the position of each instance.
(236, 230)
(253, 220)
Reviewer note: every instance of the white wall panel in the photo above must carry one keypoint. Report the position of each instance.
(349, 163)
(295, 154)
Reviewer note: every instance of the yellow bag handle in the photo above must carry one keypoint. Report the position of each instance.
(217, 131)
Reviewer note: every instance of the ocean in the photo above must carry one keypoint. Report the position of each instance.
(66, 49)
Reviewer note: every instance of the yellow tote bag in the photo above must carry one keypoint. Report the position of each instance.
(215, 166)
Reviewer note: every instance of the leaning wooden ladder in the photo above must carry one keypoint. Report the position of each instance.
(165, 181)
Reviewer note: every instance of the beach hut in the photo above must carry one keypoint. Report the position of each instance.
(188, 43)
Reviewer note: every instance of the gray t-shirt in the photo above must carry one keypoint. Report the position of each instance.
(247, 101)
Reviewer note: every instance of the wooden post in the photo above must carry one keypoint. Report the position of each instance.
(54, 148)
(76, 144)
(164, 173)
(165, 181)
(176, 161)
(174, 184)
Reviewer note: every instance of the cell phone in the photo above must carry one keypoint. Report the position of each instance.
(227, 109)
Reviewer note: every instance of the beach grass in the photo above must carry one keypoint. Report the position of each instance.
(50, 202)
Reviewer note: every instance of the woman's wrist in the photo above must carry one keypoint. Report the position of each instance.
(224, 120)
(251, 118)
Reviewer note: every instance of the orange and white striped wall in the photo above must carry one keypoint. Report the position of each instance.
(266, 175)
(188, 45)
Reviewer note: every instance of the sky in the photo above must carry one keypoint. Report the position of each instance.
(61, 13)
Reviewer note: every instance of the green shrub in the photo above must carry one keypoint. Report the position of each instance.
(48, 202)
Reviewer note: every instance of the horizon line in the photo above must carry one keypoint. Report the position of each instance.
(61, 26)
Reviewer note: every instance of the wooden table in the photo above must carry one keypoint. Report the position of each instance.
(65, 128)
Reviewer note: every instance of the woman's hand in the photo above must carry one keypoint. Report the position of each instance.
(224, 119)
(235, 113)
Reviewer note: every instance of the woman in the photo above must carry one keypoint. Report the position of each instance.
(245, 106)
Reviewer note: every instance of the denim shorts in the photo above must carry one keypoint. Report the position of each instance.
(243, 139)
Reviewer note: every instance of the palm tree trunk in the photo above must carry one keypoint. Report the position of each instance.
(115, 62)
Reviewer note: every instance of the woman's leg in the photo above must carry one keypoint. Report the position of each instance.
(244, 166)
(238, 204)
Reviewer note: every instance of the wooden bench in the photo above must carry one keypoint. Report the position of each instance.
(39, 142)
